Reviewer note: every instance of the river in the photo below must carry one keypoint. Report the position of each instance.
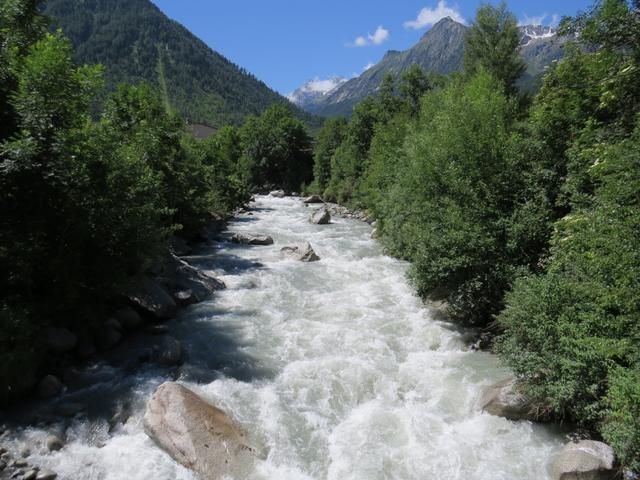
(335, 368)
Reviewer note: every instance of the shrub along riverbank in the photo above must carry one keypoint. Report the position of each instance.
(89, 203)
(523, 214)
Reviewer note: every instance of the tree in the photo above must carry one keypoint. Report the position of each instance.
(493, 43)
(329, 139)
(277, 150)
(414, 83)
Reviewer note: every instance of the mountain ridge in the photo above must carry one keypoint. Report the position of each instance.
(136, 41)
(440, 50)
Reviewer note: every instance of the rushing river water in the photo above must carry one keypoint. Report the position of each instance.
(335, 369)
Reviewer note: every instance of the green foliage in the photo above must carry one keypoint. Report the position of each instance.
(573, 332)
(87, 204)
(277, 150)
(493, 43)
(414, 83)
(329, 139)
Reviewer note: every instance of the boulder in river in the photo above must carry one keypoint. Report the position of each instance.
(176, 275)
(129, 319)
(150, 298)
(313, 199)
(252, 239)
(49, 387)
(196, 434)
(303, 252)
(46, 475)
(60, 340)
(504, 400)
(277, 194)
(168, 352)
(320, 217)
(107, 336)
(584, 460)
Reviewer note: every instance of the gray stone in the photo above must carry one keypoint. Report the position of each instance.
(54, 443)
(60, 340)
(114, 323)
(20, 463)
(277, 194)
(107, 337)
(85, 349)
(303, 253)
(375, 234)
(46, 475)
(49, 386)
(177, 275)
(30, 475)
(584, 460)
(503, 400)
(184, 298)
(320, 217)
(3, 465)
(128, 318)
(251, 239)
(168, 352)
(150, 298)
(313, 199)
(196, 434)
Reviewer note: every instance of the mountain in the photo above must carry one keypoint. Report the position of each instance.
(313, 90)
(440, 50)
(136, 42)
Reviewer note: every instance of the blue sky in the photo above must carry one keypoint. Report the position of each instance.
(287, 42)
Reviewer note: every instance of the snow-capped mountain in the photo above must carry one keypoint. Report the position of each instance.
(314, 89)
(531, 33)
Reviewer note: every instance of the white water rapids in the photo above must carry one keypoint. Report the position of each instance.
(335, 368)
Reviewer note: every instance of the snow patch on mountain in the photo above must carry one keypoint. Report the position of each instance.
(314, 89)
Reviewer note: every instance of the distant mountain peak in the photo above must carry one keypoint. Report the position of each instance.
(447, 24)
(314, 89)
(531, 33)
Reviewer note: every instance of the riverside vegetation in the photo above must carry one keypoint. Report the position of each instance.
(88, 202)
(522, 214)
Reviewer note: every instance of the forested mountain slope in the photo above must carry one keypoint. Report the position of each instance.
(136, 42)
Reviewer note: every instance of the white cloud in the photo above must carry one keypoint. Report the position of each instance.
(378, 37)
(527, 20)
(323, 86)
(368, 66)
(430, 16)
(555, 20)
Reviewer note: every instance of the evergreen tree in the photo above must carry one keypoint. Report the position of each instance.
(493, 44)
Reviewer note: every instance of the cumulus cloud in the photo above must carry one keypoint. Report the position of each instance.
(378, 37)
(527, 20)
(430, 16)
(368, 66)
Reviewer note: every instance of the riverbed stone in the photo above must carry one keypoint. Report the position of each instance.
(196, 434)
(177, 275)
(584, 460)
(129, 319)
(303, 252)
(49, 386)
(184, 298)
(30, 475)
(54, 443)
(168, 352)
(151, 299)
(107, 336)
(46, 475)
(320, 217)
(504, 400)
(60, 340)
(277, 194)
(313, 199)
(248, 239)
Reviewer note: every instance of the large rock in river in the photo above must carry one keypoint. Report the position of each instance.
(313, 199)
(320, 217)
(149, 298)
(303, 252)
(504, 400)
(196, 434)
(60, 340)
(584, 460)
(176, 275)
(252, 239)
(277, 194)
